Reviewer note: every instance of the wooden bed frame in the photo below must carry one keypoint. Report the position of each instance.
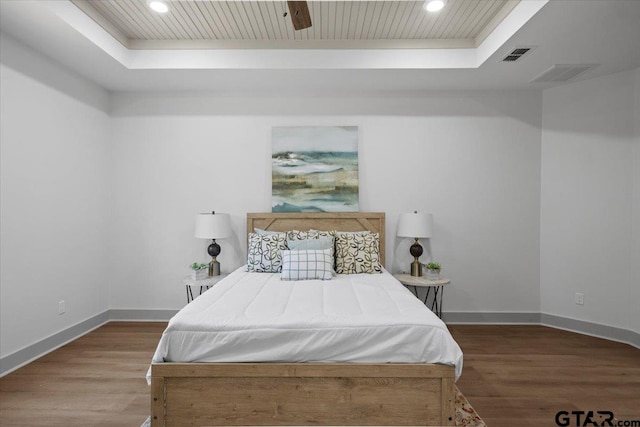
(296, 394)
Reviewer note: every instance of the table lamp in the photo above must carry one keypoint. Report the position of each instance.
(415, 225)
(213, 226)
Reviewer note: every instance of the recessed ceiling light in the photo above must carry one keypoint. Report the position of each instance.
(433, 5)
(159, 6)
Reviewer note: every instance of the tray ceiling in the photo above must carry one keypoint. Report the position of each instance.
(560, 32)
(261, 24)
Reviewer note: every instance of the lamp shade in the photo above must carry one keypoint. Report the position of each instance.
(213, 225)
(416, 225)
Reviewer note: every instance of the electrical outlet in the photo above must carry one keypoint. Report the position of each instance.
(62, 307)
(579, 299)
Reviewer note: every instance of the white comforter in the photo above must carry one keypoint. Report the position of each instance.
(256, 317)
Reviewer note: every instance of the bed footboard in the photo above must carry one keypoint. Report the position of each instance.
(252, 394)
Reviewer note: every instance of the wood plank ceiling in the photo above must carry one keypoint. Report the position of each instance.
(261, 24)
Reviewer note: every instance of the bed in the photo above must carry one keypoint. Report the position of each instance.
(291, 376)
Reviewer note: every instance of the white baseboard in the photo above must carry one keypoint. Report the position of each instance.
(26, 355)
(131, 315)
(497, 318)
(611, 333)
(34, 351)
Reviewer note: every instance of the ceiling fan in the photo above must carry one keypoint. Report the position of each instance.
(300, 16)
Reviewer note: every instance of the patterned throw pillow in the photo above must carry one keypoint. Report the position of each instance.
(264, 252)
(307, 264)
(317, 234)
(358, 253)
(311, 234)
(298, 235)
(352, 232)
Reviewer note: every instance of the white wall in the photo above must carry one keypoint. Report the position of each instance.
(635, 257)
(98, 208)
(472, 159)
(54, 198)
(586, 203)
(103, 203)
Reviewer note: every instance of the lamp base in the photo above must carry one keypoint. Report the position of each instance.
(416, 268)
(214, 267)
(416, 251)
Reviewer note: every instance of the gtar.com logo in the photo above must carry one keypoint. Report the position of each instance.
(592, 418)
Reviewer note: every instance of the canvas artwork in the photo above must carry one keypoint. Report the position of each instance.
(314, 169)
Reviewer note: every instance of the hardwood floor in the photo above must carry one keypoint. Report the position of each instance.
(523, 375)
(96, 380)
(513, 376)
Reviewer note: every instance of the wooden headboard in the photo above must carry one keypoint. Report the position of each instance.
(339, 221)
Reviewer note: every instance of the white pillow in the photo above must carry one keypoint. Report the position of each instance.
(313, 243)
(264, 232)
(307, 264)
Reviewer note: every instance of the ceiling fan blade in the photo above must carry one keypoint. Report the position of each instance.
(299, 14)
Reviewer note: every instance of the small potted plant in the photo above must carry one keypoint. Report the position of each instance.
(433, 270)
(199, 271)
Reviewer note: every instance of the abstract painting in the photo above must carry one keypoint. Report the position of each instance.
(314, 169)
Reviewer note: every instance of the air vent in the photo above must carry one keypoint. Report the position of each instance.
(563, 73)
(517, 53)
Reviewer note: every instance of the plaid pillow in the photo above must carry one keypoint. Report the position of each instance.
(295, 236)
(307, 264)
